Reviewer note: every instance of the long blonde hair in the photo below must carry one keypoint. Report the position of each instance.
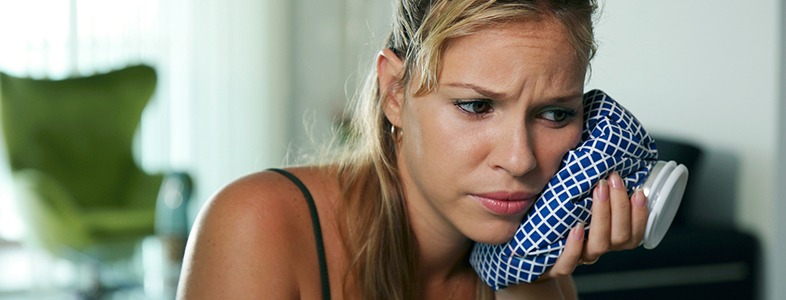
(379, 240)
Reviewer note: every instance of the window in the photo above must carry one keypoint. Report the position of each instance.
(70, 38)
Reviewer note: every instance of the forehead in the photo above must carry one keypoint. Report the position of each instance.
(512, 51)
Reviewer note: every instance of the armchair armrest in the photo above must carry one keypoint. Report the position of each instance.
(127, 222)
(50, 213)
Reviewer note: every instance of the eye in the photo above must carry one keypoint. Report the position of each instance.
(558, 115)
(475, 107)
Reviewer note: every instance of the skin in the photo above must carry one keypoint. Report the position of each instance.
(495, 123)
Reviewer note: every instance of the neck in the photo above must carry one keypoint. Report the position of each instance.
(443, 257)
(443, 266)
(440, 257)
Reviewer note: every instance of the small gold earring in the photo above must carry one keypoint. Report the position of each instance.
(395, 134)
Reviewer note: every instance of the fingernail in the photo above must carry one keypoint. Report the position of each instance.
(616, 181)
(603, 190)
(638, 197)
(578, 231)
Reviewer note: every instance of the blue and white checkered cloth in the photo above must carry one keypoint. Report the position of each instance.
(612, 140)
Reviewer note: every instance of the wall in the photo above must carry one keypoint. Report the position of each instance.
(333, 44)
(705, 71)
(778, 263)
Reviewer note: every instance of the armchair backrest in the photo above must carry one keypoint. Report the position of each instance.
(78, 130)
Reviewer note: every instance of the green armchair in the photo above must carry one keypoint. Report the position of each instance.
(69, 146)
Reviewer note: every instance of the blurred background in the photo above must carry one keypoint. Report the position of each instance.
(244, 85)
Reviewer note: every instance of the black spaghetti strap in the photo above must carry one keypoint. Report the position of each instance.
(323, 272)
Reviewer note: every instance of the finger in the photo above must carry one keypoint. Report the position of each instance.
(598, 239)
(640, 214)
(570, 256)
(620, 212)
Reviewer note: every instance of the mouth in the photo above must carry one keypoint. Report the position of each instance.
(506, 204)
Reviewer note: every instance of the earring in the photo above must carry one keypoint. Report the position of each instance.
(395, 134)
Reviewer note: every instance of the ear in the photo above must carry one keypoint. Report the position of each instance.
(390, 69)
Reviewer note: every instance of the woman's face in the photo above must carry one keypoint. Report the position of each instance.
(476, 152)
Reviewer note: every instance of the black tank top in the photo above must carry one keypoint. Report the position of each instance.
(323, 273)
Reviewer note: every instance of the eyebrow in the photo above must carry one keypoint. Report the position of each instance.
(500, 95)
(479, 89)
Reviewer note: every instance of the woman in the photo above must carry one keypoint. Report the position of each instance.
(465, 117)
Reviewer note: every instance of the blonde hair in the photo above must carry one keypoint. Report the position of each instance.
(379, 240)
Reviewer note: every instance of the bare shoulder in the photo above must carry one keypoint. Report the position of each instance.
(248, 237)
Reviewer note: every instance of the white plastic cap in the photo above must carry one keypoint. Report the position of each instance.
(664, 189)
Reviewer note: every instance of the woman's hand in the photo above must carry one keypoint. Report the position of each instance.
(618, 223)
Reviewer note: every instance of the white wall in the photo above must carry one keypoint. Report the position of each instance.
(334, 42)
(706, 71)
(778, 262)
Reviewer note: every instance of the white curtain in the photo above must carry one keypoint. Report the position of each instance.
(223, 92)
(56, 39)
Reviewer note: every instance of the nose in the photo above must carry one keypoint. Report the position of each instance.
(514, 153)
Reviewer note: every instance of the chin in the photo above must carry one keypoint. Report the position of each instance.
(497, 232)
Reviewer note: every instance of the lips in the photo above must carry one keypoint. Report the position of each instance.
(506, 203)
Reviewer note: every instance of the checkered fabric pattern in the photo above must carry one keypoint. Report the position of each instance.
(612, 140)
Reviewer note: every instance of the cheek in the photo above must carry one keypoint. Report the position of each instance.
(422, 138)
(430, 138)
(556, 145)
(576, 137)
(436, 141)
